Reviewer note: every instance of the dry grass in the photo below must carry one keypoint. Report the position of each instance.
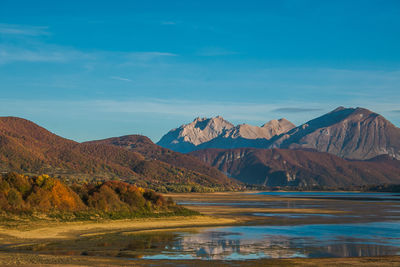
(54, 230)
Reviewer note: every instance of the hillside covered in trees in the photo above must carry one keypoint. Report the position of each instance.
(28, 148)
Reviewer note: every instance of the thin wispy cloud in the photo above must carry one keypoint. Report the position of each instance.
(31, 48)
(120, 78)
(237, 111)
(184, 108)
(168, 23)
(41, 53)
(129, 59)
(180, 108)
(11, 29)
(215, 51)
(148, 55)
(294, 110)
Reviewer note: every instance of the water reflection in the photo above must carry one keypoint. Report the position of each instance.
(373, 239)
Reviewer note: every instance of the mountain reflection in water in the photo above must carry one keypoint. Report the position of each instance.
(288, 241)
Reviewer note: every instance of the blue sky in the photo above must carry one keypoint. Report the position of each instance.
(98, 69)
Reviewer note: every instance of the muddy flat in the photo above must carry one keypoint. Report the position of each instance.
(19, 259)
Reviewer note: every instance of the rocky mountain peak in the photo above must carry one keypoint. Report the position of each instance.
(215, 124)
(217, 132)
(186, 137)
(266, 131)
(279, 126)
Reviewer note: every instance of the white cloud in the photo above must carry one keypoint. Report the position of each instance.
(21, 43)
(239, 111)
(236, 111)
(40, 53)
(146, 56)
(215, 51)
(186, 110)
(168, 23)
(120, 78)
(11, 29)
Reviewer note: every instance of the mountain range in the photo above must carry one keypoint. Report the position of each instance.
(343, 148)
(351, 133)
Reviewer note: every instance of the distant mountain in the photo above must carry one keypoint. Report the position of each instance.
(219, 133)
(283, 167)
(28, 148)
(353, 133)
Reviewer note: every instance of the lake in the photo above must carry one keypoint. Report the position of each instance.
(278, 225)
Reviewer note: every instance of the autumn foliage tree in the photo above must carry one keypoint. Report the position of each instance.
(112, 196)
(39, 193)
(113, 199)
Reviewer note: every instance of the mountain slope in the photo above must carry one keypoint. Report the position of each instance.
(29, 148)
(219, 133)
(283, 167)
(346, 132)
(144, 146)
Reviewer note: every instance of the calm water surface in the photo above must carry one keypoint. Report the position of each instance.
(369, 226)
